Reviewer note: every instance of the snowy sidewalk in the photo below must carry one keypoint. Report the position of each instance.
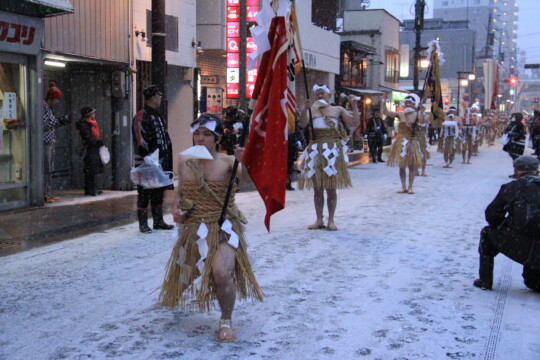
(395, 282)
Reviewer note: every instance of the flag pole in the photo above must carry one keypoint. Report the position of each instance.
(307, 96)
(421, 99)
(245, 120)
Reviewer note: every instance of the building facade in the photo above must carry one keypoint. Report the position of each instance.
(21, 80)
(458, 43)
(495, 23)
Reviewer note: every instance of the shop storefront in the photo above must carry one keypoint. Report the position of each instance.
(18, 79)
(21, 29)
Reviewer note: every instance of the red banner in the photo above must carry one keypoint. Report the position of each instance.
(265, 156)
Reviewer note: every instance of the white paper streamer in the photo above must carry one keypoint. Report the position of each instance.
(404, 143)
(233, 237)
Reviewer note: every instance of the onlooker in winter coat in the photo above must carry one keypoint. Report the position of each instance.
(91, 142)
(233, 123)
(516, 137)
(535, 133)
(50, 123)
(150, 133)
(376, 134)
(503, 235)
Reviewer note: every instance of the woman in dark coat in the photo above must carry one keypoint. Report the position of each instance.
(91, 141)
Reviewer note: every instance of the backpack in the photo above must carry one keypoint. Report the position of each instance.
(525, 207)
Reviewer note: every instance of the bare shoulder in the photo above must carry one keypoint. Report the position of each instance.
(221, 157)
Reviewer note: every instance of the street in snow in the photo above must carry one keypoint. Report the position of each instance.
(395, 282)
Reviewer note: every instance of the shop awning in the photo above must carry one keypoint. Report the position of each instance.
(37, 8)
(364, 91)
(387, 88)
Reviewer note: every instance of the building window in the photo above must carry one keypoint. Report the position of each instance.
(391, 73)
(353, 69)
(14, 119)
(323, 13)
(444, 3)
(171, 29)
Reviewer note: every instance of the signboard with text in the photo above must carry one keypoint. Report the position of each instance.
(233, 47)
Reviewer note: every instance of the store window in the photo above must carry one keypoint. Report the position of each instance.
(14, 137)
(391, 69)
(353, 69)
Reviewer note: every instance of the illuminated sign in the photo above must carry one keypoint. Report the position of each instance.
(233, 60)
(233, 47)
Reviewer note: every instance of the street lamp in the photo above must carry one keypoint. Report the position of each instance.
(424, 63)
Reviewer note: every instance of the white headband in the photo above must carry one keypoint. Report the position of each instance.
(322, 87)
(411, 99)
(210, 125)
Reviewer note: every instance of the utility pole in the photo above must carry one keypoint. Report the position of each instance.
(159, 65)
(418, 26)
(490, 37)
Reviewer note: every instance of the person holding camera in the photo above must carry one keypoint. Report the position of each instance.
(513, 230)
(50, 123)
(515, 145)
(91, 143)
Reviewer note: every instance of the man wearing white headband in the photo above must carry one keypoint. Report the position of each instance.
(209, 260)
(469, 133)
(325, 159)
(405, 150)
(448, 142)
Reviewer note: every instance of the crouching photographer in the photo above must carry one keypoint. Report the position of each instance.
(514, 226)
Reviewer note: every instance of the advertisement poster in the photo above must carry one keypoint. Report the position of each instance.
(212, 100)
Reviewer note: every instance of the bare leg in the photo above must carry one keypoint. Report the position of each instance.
(403, 178)
(318, 198)
(412, 171)
(223, 270)
(446, 160)
(424, 161)
(331, 201)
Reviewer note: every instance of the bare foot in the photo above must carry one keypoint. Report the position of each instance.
(404, 191)
(317, 225)
(424, 174)
(446, 166)
(331, 226)
(410, 192)
(225, 332)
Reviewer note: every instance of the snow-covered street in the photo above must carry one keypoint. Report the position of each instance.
(395, 282)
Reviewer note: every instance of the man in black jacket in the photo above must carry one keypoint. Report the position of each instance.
(376, 133)
(502, 235)
(535, 133)
(150, 133)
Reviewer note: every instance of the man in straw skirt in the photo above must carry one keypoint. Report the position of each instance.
(449, 142)
(208, 261)
(324, 160)
(405, 150)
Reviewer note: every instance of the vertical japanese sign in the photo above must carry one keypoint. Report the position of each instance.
(233, 47)
(10, 106)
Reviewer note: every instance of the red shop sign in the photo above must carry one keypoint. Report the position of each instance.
(233, 13)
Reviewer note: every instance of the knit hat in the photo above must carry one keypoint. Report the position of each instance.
(53, 92)
(150, 91)
(526, 163)
(87, 111)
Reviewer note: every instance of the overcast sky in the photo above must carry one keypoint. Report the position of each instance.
(528, 32)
